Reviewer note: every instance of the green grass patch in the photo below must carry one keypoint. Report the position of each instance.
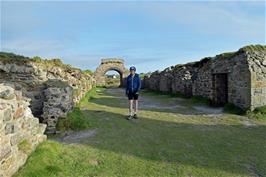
(258, 113)
(75, 120)
(199, 100)
(88, 96)
(251, 48)
(261, 110)
(231, 108)
(87, 71)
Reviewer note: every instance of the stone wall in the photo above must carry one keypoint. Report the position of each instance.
(20, 131)
(110, 64)
(57, 103)
(152, 82)
(237, 77)
(257, 68)
(52, 86)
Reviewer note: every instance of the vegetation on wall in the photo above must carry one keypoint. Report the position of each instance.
(20, 60)
(87, 71)
(225, 55)
(76, 120)
(249, 48)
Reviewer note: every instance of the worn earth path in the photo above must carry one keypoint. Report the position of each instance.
(172, 137)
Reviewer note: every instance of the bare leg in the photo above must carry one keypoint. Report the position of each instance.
(136, 104)
(130, 103)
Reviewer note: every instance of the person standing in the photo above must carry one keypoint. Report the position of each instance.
(133, 85)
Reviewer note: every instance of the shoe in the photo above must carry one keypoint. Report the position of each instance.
(129, 117)
(135, 116)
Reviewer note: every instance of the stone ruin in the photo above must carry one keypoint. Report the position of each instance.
(237, 77)
(49, 89)
(107, 65)
(53, 87)
(20, 131)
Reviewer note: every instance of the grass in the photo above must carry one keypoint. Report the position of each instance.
(89, 95)
(231, 108)
(160, 144)
(76, 119)
(199, 100)
(258, 113)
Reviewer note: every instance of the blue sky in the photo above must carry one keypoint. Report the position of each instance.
(150, 35)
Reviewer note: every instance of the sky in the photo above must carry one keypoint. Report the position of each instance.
(150, 35)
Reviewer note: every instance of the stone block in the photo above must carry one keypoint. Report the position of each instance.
(5, 152)
(9, 128)
(7, 113)
(8, 163)
(15, 139)
(19, 112)
(7, 94)
(1, 118)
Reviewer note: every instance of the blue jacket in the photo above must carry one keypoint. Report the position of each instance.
(133, 84)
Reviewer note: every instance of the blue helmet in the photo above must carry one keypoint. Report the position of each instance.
(132, 68)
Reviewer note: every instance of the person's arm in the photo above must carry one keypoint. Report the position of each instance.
(127, 89)
(139, 84)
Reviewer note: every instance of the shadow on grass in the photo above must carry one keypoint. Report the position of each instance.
(231, 148)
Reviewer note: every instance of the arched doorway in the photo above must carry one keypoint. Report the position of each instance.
(110, 65)
(113, 78)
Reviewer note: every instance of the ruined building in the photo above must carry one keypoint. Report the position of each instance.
(20, 131)
(236, 77)
(52, 86)
(110, 64)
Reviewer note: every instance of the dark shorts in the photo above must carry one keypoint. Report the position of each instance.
(132, 96)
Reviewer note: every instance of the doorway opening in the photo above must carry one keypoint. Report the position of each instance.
(113, 78)
(220, 85)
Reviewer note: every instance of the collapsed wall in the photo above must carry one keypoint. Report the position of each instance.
(237, 77)
(20, 131)
(52, 86)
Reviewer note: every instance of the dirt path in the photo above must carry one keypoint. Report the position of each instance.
(162, 102)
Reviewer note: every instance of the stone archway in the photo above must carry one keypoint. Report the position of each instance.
(109, 65)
